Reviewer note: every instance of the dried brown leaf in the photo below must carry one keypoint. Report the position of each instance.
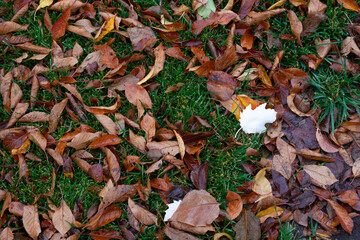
(141, 214)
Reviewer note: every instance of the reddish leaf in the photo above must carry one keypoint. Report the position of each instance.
(58, 28)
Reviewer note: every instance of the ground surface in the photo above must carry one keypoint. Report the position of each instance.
(300, 58)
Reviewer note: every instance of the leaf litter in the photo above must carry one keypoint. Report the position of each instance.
(309, 171)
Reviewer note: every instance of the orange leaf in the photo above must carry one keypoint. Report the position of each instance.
(107, 26)
(58, 28)
(234, 204)
(349, 4)
(345, 220)
(104, 110)
(106, 140)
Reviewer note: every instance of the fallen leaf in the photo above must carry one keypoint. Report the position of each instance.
(349, 4)
(110, 126)
(261, 184)
(248, 227)
(350, 197)
(175, 234)
(105, 110)
(137, 141)
(325, 143)
(6, 234)
(172, 207)
(257, 17)
(166, 147)
(282, 165)
(234, 204)
(8, 27)
(119, 193)
(141, 214)
(104, 141)
(296, 26)
(344, 218)
(135, 92)
(59, 26)
(63, 218)
(103, 217)
(198, 209)
(114, 165)
(44, 3)
(35, 116)
(55, 114)
(107, 26)
(31, 221)
(105, 234)
(159, 53)
(306, 153)
(320, 175)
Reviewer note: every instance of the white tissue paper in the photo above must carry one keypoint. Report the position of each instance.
(171, 210)
(253, 121)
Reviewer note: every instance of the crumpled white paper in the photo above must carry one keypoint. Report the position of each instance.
(253, 121)
(171, 210)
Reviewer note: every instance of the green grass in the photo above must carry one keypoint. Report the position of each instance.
(225, 171)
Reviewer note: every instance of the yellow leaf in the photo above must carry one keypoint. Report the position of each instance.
(240, 102)
(270, 210)
(218, 236)
(262, 185)
(181, 144)
(21, 149)
(44, 3)
(105, 28)
(277, 4)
